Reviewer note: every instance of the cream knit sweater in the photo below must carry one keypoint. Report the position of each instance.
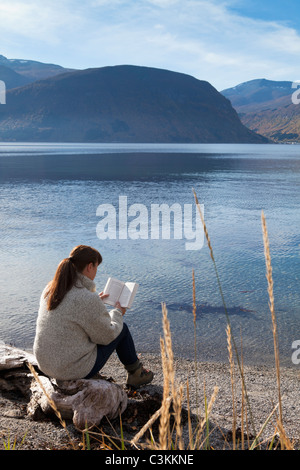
(65, 344)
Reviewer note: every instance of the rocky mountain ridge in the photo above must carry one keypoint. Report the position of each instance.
(121, 104)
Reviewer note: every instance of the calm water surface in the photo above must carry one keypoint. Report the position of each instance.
(49, 195)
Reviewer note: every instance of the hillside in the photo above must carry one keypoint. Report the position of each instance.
(11, 78)
(31, 70)
(266, 107)
(121, 104)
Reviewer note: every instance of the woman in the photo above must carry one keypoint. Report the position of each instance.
(75, 334)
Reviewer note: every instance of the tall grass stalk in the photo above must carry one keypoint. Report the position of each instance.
(225, 308)
(272, 309)
(231, 362)
(178, 409)
(86, 439)
(169, 385)
(13, 446)
(205, 421)
(256, 440)
(189, 415)
(243, 402)
(164, 424)
(285, 442)
(122, 435)
(195, 339)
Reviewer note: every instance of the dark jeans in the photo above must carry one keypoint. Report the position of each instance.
(124, 347)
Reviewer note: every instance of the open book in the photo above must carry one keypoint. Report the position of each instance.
(123, 292)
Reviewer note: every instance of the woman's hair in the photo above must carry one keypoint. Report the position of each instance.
(66, 273)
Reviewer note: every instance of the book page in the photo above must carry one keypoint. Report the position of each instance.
(125, 296)
(128, 294)
(113, 288)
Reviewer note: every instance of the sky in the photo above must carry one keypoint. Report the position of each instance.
(225, 42)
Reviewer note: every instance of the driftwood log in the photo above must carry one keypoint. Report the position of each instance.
(84, 401)
(13, 358)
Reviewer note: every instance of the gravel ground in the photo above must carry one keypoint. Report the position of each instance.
(261, 389)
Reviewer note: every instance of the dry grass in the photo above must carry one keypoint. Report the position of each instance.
(168, 439)
(169, 386)
(272, 308)
(231, 362)
(167, 361)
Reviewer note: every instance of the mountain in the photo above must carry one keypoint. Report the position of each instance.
(11, 78)
(31, 69)
(267, 107)
(121, 104)
(256, 95)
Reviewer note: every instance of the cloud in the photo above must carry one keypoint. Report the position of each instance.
(46, 21)
(204, 38)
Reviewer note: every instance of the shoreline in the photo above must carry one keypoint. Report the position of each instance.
(261, 388)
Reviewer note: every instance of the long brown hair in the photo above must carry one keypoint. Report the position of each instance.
(66, 273)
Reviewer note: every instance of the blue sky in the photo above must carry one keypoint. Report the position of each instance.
(225, 42)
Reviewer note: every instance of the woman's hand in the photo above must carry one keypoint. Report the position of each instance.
(118, 305)
(123, 309)
(103, 296)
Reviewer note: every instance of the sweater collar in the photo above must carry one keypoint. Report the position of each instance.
(86, 282)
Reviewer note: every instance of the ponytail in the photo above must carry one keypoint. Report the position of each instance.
(66, 273)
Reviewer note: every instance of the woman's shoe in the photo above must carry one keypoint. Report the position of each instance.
(139, 377)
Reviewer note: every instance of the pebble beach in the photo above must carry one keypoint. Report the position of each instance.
(202, 379)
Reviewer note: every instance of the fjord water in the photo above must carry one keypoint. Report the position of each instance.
(49, 195)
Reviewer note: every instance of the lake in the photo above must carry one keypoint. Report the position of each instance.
(56, 196)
